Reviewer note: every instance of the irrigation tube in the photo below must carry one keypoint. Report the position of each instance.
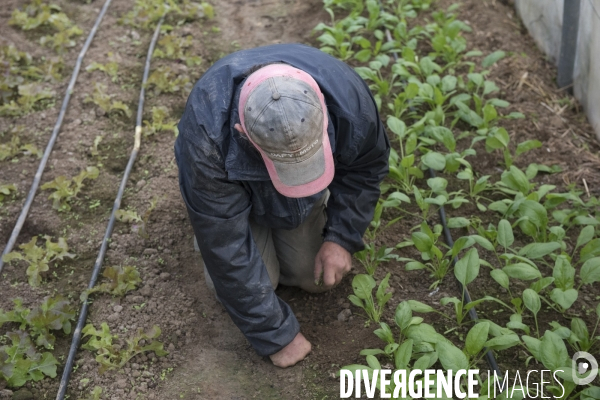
(489, 355)
(64, 382)
(61, 115)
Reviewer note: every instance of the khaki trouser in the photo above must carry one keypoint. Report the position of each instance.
(289, 255)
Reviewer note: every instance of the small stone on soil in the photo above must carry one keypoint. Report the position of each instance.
(344, 315)
(113, 317)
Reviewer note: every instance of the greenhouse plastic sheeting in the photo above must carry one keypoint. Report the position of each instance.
(543, 19)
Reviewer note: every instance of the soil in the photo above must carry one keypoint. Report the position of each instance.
(208, 357)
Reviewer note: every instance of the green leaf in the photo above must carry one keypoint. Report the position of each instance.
(363, 286)
(403, 354)
(493, 58)
(503, 342)
(505, 234)
(414, 265)
(515, 179)
(417, 306)
(500, 277)
(450, 356)
(563, 273)
(590, 271)
(532, 300)
(592, 249)
(542, 284)
(539, 250)
(526, 146)
(476, 338)
(422, 241)
(397, 126)
(553, 351)
(564, 298)
(434, 160)
(522, 271)
(437, 184)
(533, 345)
(458, 222)
(403, 315)
(467, 268)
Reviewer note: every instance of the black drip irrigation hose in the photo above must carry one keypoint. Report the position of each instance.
(466, 297)
(111, 222)
(63, 110)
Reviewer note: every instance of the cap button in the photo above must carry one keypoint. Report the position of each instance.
(276, 96)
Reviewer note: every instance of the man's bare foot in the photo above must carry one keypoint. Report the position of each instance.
(291, 354)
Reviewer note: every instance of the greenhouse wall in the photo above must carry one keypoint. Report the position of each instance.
(544, 20)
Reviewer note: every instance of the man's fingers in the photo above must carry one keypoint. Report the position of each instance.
(318, 270)
(329, 276)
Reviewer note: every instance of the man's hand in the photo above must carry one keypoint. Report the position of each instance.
(293, 353)
(332, 262)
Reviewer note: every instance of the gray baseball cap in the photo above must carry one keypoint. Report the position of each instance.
(283, 113)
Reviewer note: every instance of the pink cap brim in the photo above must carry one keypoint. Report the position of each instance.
(317, 185)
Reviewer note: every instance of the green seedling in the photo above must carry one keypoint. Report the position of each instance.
(95, 394)
(139, 224)
(174, 47)
(6, 190)
(372, 255)
(14, 148)
(111, 68)
(20, 362)
(20, 90)
(165, 80)
(160, 122)
(363, 286)
(39, 258)
(146, 13)
(31, 96)
(66, 190)
(54, 313)
(39, 15)
(433, 260)
(114, 353)
(121, 279)
(337, 39)
(476, 187)
(104, 101)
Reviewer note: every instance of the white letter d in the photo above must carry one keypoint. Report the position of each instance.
(346, 374)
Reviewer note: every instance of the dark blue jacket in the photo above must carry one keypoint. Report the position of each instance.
(224, 181)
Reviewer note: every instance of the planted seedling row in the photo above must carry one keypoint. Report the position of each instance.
(538, 242)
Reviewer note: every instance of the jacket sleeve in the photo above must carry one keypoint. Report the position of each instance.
(219, 211)
(354, 190)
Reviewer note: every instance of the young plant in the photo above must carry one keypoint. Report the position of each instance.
(140, 224)
(31, 96)
(160, 122)
(433, 259)
(6, 190)
(165, 80)
(66, 190)
(111, 68)
(173, 47)
(20, 362)
(363, 286)
(120, 281)
(104, 101)
(38, 14)
(11, 149)
(372, 256)
(114, 353)
(54, 313)
(39, 258)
